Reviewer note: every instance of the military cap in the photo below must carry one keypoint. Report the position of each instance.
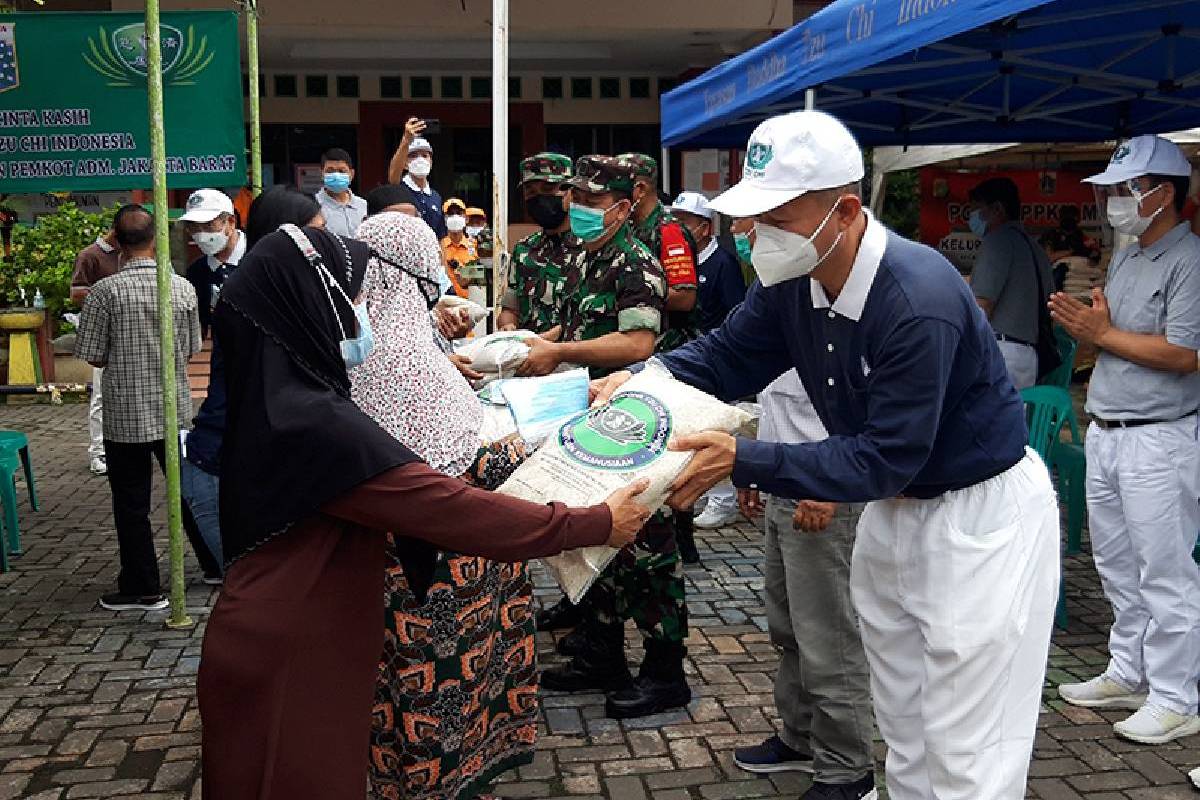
(553, 167)
(603, 174)
(643, 165)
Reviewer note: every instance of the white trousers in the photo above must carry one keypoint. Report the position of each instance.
(96, 415)
(956, 599)
(1022, 363)
(1142, 490)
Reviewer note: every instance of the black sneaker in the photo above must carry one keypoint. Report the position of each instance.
(772, 756)
(863, 789)
(133, 602)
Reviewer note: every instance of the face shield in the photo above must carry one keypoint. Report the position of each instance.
(1130, 206)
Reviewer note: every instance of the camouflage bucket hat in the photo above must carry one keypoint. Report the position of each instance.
(553, 167)
(603, 174)
(643, 165)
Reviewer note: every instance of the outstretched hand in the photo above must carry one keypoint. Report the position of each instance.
(715, 453)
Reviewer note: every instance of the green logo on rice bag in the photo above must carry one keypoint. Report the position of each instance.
(629, 433)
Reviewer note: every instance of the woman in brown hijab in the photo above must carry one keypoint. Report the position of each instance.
(309, 486)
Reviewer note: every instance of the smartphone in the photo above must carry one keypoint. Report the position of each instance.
(432, 127)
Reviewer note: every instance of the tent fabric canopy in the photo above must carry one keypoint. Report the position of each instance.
(902, 72)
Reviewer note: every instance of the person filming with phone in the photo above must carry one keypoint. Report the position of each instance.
(411, 164)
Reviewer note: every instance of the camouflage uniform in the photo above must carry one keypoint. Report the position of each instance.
(682, 272)
(545, 266)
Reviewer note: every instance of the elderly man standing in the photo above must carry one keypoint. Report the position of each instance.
(955, 562)
(1143, 460)
(118, 330)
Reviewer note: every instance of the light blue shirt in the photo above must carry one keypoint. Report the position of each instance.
(342, 219)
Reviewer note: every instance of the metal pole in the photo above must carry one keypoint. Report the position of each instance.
(664, 170)
(251, 7)
(499, 153)
(166, 320)
(810, 99)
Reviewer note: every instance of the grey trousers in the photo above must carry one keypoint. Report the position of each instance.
(822, 690)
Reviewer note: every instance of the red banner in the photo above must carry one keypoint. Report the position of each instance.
(945, 206)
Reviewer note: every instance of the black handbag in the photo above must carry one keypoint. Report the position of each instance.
(1046, 345)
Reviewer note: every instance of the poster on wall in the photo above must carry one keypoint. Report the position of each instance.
(1044, 193)
(73, 107)
(309, 178)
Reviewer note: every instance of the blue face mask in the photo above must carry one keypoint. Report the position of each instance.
(741, 241)
(588, 223)
(977, 223)
(356, 350)
(337, 181)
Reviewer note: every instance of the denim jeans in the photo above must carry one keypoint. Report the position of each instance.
(199, 490)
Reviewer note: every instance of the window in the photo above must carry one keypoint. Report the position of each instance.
(347, 85)
(391, 86)
(481, 88)
(552, 88)
(422, 88)
(581, 88)
(316, 86)
(514, 88)
(639, 88)
(452, 87)
(610, 88)
(285, 85)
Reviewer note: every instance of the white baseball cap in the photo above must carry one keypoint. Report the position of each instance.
(420, 143)
(1143, 155)
(205, 205)
(789, 155)
(693, 203)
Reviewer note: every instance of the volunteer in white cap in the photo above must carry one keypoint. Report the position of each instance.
(1143, 460)
(210, 222)
(411, 164)
(955, 565)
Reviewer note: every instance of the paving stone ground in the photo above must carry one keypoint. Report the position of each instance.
(96, 704)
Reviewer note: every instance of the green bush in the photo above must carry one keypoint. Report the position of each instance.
(43, 256)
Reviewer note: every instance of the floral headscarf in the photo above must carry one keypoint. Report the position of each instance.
(407, 384)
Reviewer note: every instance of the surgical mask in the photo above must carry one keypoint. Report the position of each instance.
(456, 223)
(355, 350)
(337, 181)
(474, 230)
(977, 223)
(546, 210)
(1123, 213)
(741, 243)
(420, 166)
(588, 223)
(780, 255)
(210, 242)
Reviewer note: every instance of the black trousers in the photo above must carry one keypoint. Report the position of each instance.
(130, 476)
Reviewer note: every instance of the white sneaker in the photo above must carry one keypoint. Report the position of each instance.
(1154, 724)
(98, 465)
(1101, 692)
(717, 515)
(1195, 776)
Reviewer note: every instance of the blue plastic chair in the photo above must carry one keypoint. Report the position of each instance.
(14, 454)
(1047, 410)
(16, 439)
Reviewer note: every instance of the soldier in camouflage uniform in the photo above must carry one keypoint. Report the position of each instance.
(623, 291)
(545, 265)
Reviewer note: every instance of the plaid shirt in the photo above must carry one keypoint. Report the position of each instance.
(119, 328)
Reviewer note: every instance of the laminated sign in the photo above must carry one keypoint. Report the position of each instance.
(598, 451)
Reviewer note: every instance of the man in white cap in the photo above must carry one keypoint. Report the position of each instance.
(1143, 461)
(211, 224)
(955, 565)
(411, 164)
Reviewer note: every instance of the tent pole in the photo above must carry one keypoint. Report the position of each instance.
(251, 7)
(499, 153)
(664, 170)
(166, 321)
(810, 99)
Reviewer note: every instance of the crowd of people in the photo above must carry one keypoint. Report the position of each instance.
(366, 639)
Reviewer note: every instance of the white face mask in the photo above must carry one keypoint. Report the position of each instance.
(780, 255)
(474, 230)
(1123, 213)
(420, 166)
(209, 242)
(456, 223)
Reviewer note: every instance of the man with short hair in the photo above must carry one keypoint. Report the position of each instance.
(411, 165)
(1143, 462)
(545, 265)
(1012, 277)
(97, 261)
(209, 221)
(954, 573)
(118, 330)
(343, 210)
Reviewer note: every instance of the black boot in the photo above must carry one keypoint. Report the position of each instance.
(660, 685)
(601, 669)
(579, 642)
(685, 536)
(563, 614)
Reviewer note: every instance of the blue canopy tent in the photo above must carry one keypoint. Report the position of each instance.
(906, 72)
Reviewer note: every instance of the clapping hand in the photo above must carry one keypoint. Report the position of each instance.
(1085, 323)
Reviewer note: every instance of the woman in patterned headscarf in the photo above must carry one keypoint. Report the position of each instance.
(456, 700)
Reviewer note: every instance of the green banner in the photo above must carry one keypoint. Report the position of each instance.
(73, 112)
